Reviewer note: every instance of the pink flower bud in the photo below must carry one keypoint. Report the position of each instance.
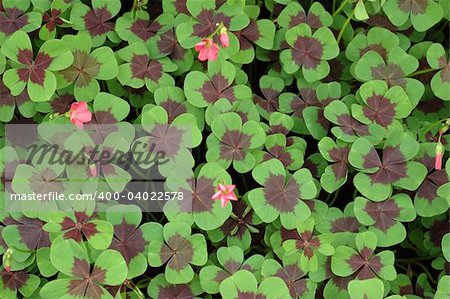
(224, 39)
(93, 170)
(439, 155)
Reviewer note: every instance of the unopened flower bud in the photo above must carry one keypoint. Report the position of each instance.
(439, 154)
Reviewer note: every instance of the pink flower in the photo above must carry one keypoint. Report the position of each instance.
(224, 40)
(79, 114)
(207, 50)
(439, 155)
(225, 193)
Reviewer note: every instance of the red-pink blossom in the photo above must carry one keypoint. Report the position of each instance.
(225, 193)
(79, 114)
(207, 50)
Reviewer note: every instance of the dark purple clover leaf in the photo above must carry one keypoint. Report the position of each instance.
(174, 139)
(403, 286)
(14, 282)
(347, 128)
(173, 101)
(294, 104)
(54, 15)
(393, 69)
(34, 73)
(130, 238)
(259, 32)
(166, 44)
(309, 52)
(382, 105)
(376, 39)
(142, 28)
(60, 102)
(300, 286)
(179, 250)
(438, 59)
(80, 226)
(109, 111)
(313, 115)
(282, 195)
(79, 279)
(8, 103)
(385, 218)
(156, 117)
(431, 109)
(271, 88)
(243, 284)
(335, 175)
(232, 142)
(14, 17)
(423, 14)
(344, 225)
(279, 123)
(335, 286)
(428, 201)
(25, 235)
(279, 234)
(316, 164)
(276, 148)
(308, 245)
(141, 69)
(206, 16)
(204, 89)
(197, 206)
(435, 228)
(378, 174)
(39, 176)
(159, 288)
(294, 14)
(108, 172)
(230, 260)
(238, 227)
(96, 20)
(364, 263)
(87, 67)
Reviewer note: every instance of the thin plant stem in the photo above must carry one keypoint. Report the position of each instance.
(334, 197)
(333, 6)
(433, 125)
(423, 258)
(425, 269)
(340, 7)
(422, 72)
(344, 26)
